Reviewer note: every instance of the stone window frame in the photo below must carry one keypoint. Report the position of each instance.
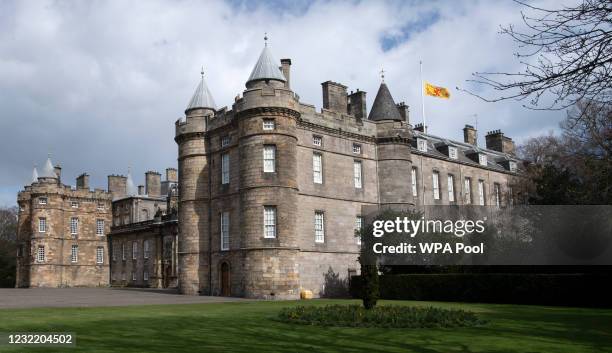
(123, 251)
(319, 226)
(43, 200)
(357, 148)
(146, 249)
(497, 194)
(467, 191)
(41, 256)
(133, 276)
(145, 276)
(270, 221)
(269, 155)
(512, 166)
(435, 185)
(482, 197)
(358, 227)
(74, 204)
(450, 185)
(318, 138)
(74, 253)
(224, 231)
(225, 168)
(100, 227)
(100, 206)
(269, 124)
(453, 152)
(358, 174)
(135, 250)
(99, 255)
(317, 175)
(42, 224)
(74, 225)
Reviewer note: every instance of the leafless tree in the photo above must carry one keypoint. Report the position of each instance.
(565, 52)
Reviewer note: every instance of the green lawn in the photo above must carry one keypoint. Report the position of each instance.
(250, 327)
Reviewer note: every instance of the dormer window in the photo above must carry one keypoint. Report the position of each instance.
(482, 159)
(268, 124)
(452, 152)
(422, 145)
(512, 166)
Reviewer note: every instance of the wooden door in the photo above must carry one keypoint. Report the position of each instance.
(225, 279)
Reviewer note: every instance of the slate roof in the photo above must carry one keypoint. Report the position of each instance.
(266, 68)
(48, 171)
(202, 98)
(495, 159)
(384, 107)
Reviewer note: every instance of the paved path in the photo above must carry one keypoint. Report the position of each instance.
(84, 297)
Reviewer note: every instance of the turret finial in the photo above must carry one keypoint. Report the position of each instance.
(382, 75)
(266, 39)
(202, 72)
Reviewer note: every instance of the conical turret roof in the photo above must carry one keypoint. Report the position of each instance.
(266, 68)
(384, 107)
(130, 187)
(202, 98)
(48, 171)
(34, 175)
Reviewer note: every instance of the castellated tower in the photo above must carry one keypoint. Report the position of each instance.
(62, 232)
(194, 193)
(393, 139)
(267, 123)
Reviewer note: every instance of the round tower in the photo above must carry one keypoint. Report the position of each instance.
(267, 123)
(194, 192)
(393, 139)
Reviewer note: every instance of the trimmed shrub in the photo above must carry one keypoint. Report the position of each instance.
(521, 288)
(388, 316)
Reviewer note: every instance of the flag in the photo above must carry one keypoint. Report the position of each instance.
(436, 91)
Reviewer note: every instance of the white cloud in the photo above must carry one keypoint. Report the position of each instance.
(100, 84)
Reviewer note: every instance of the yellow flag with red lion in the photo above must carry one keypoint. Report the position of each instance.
(436, 91)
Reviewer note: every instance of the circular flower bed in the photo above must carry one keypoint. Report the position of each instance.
(391, 316)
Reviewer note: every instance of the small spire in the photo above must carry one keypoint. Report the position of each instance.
(34, 174)
(266, 39)
(202, 72)
(382, 75)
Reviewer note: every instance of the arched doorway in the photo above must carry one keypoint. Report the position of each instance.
(225, 279)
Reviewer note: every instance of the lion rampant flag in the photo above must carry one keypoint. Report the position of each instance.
(436, 91)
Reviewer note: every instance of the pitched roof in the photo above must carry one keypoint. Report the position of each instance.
(202, 98)
(266, 68)
(48, 171)
(384, 107)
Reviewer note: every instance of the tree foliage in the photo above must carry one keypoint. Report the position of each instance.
(566, 52)
(8, 246)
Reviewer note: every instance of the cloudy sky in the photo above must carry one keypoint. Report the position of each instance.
(99, 84)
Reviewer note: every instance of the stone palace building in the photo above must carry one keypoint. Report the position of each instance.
(267, 195)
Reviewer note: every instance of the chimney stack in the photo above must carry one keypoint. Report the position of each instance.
(496, 141)
(58, 171)
(82, 181)
(357, 104)
(171, 174)
(286, 68)
(153, 183)
(404, 112)
(419, 127)
(141, 190)
(469, 135)
(335, 97)
(117, 185)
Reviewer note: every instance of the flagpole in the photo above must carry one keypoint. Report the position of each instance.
(423, 97)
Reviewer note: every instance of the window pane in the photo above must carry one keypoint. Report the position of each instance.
(317, 168)
(225, 231)
(451, 189)
(225, 168)
(270, 222)
(413, 177)
(436, 185)
(357, 174)
(269, 155)
(319, 227)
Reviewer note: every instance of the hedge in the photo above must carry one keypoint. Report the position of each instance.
(585, 290)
